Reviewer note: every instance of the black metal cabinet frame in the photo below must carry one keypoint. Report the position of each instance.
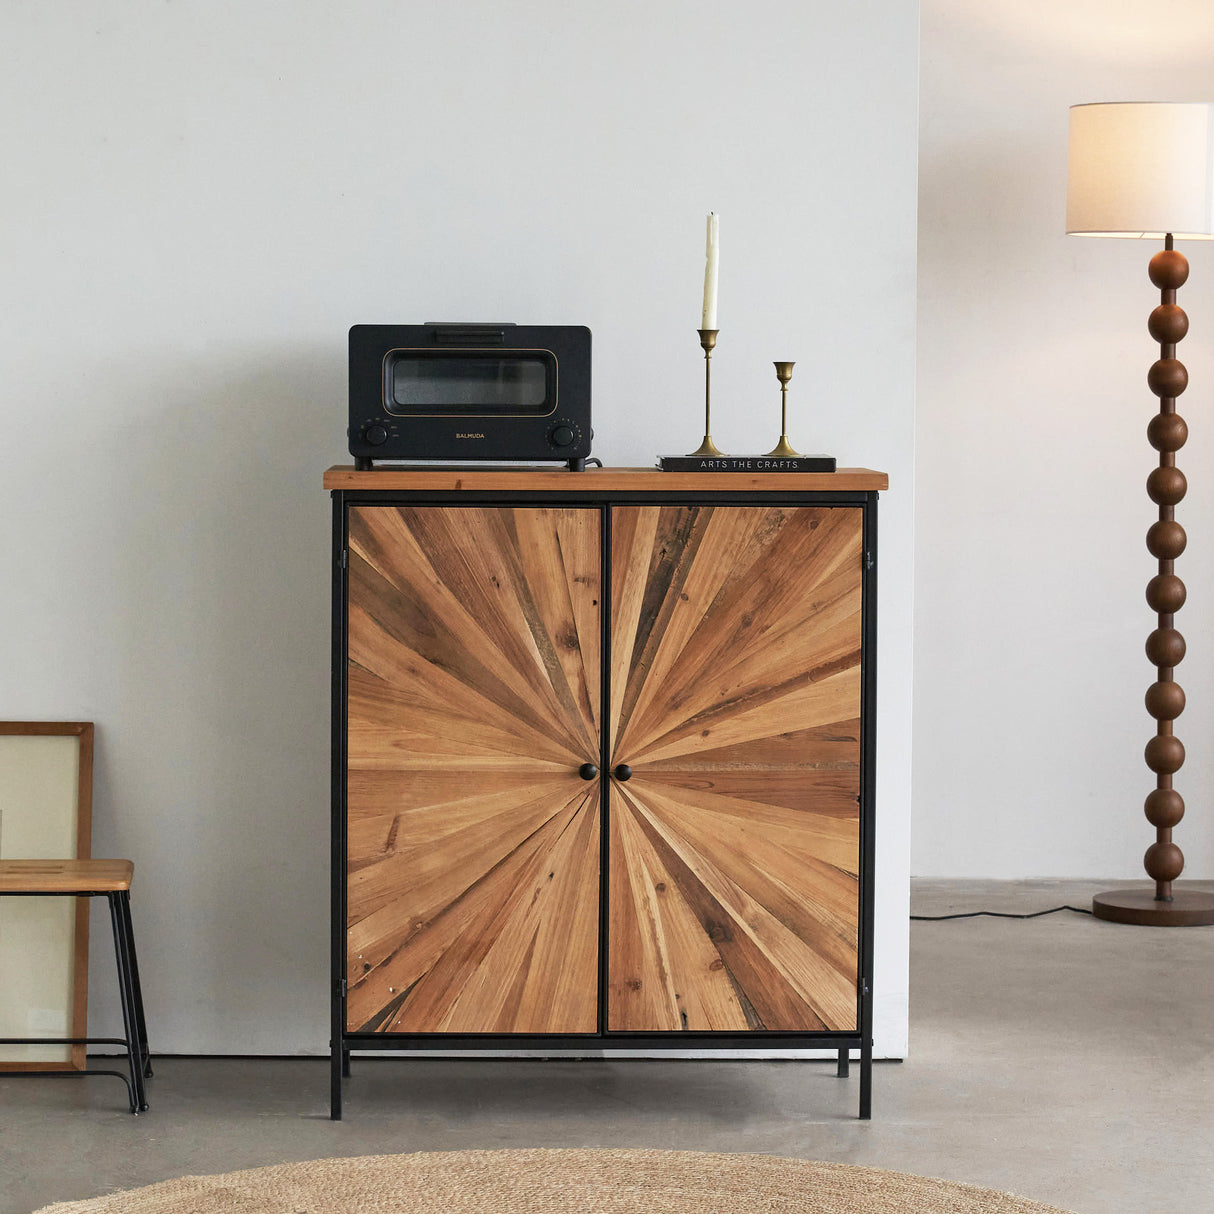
(343, 1041)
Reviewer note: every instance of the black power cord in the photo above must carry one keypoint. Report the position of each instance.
(1079, 910)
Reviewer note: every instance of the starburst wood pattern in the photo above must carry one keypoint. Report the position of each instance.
(473, 698)
(735, 700)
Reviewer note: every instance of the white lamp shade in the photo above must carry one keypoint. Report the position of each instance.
(1141, 169)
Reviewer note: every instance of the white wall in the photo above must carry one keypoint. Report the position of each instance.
(1032, 455)
(200, 198)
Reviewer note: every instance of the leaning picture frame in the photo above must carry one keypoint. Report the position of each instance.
(46, 810)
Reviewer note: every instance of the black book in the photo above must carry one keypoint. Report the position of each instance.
(746, 463)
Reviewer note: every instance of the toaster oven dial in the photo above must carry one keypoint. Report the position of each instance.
(563, 434)
(375, 435)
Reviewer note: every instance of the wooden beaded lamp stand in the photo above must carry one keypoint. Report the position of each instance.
(1141, 170)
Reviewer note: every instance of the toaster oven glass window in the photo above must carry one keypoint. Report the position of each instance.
(421, 383)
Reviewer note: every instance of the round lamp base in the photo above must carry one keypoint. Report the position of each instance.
(1188, 908)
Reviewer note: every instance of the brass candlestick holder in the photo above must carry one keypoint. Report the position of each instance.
(782, 449)
(708, 339)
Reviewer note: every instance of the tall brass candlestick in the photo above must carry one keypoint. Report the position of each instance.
(708, 339)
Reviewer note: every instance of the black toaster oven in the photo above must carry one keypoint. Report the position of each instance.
(465, 392)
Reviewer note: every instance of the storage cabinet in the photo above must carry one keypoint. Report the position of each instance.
(603, 755)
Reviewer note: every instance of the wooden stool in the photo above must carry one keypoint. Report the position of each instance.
(110, 879)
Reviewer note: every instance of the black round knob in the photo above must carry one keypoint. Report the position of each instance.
(623, 772)
(587, 771)
(562, 436)
(375, 435)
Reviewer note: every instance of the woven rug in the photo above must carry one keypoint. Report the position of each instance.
(557, 1182)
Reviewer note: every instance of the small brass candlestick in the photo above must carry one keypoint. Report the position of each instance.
(708, 339)
(782, 450)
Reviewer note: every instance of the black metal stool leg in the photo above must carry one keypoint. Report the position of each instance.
(126, 990)
(145, 1054)
(844, 1064)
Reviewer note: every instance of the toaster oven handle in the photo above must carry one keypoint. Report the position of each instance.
(467, 335)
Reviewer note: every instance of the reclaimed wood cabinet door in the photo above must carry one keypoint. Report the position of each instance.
(734, 840)
(473, 698)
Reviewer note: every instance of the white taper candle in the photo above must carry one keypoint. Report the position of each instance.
(709, 320)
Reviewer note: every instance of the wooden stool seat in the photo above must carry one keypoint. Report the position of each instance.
(64, 876)
(109, 879)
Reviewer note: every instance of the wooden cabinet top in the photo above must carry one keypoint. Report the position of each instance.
(601, 480)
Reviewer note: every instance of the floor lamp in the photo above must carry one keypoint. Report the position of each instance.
(1147, 170)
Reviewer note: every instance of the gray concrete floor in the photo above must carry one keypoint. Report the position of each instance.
(1065, 1059)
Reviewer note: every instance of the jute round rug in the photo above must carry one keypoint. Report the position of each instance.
(557, 1182)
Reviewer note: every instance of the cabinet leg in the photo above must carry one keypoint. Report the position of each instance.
(844, 1064)
(345, 1064)
(336, 1070)
(866, 1080)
